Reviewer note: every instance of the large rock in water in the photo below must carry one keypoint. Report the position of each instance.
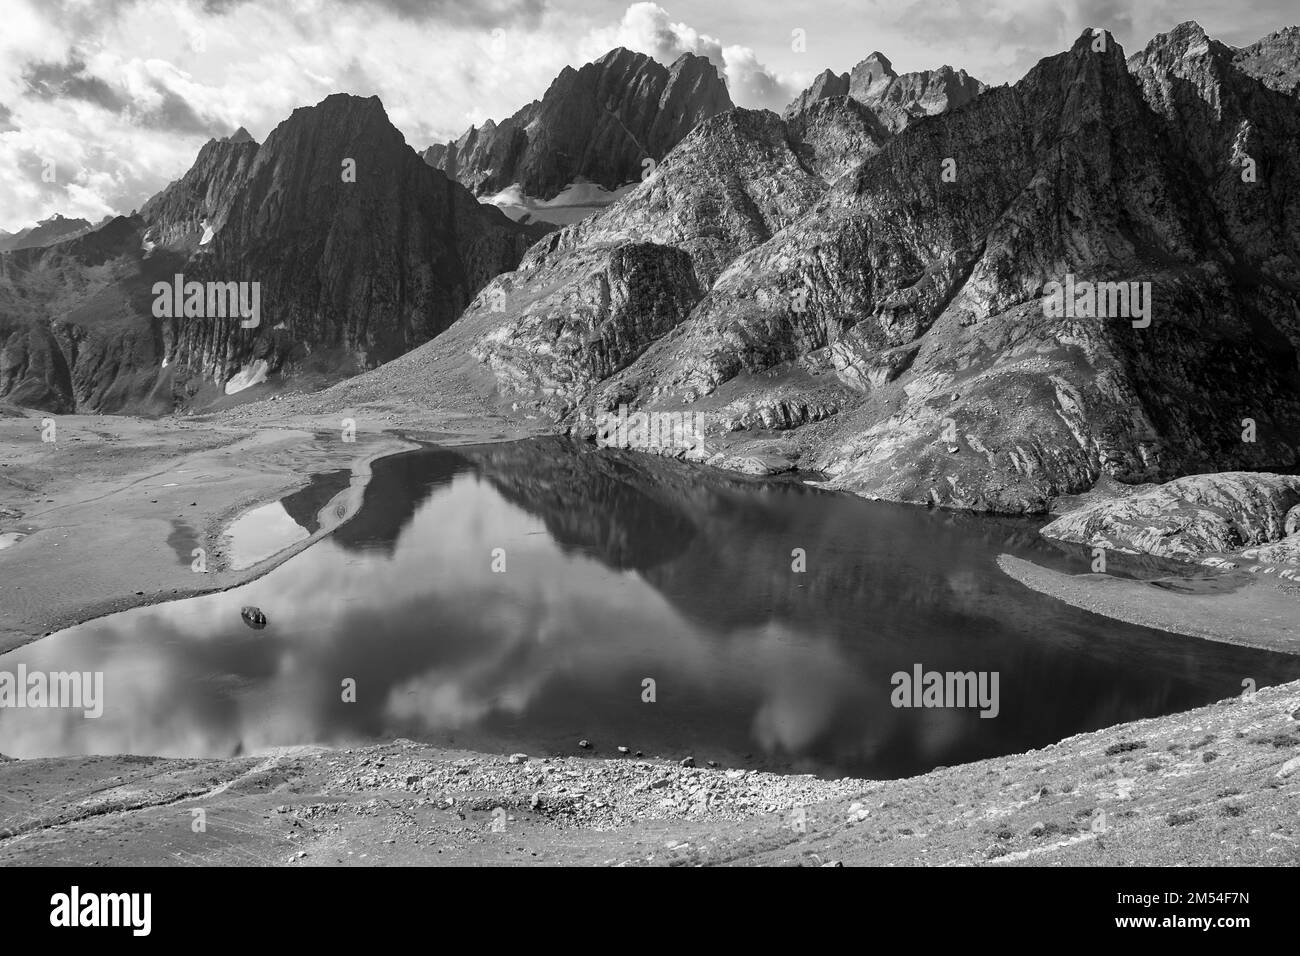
(1190, 517)
(597, 124)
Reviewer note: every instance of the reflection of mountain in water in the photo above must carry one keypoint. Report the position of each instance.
(756, 664)
(615, 507)
(681, 524)
(398, 486)
(304, 505)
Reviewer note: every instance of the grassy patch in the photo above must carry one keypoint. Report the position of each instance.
(1125, 746)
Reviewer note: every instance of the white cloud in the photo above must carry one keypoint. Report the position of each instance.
(169, 73)
(649, 28)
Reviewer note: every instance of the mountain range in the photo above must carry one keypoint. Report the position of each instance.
(860, 289)
(360, 252)
(884, 323)
(603, 124)
(44, 233)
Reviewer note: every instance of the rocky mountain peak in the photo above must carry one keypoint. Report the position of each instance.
(240, 135)
(1274, 61)
(597, 124)
(895, 100)
(46, 232)
(869, 73)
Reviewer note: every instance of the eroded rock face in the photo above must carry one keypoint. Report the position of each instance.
(203, 196)
(836, 135)
(372, 267)
(597, 124)
(594, 323)
(1191, 517)
(587, 300)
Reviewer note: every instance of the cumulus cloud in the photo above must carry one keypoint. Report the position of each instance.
(649, 28)
(118, 95)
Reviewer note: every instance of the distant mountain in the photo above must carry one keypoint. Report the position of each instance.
(598, 124)
(1274, 60)
(360, 250)
(45, 233)
(896, 100)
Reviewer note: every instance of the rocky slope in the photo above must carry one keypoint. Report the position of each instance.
(895, 322)
(1231, 519)
(1214, 786)
(1274, 60)
(203, 196)
(597, 124)
(361, 252)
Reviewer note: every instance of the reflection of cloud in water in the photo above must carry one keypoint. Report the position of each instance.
(747, 657)
(499, 640)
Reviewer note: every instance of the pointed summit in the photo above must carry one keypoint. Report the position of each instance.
(894, 99)
(241, 135)
(597, 124)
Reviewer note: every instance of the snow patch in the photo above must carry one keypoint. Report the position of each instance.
(575, 201)
(207, 234)
(248, 376)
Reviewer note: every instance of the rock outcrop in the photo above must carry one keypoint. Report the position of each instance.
(1194, 517)
(587, 300)
(598, 124)
(200, 201)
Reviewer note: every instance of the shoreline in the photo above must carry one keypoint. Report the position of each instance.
(1262, 613)
(1216, 785)
(240, 466)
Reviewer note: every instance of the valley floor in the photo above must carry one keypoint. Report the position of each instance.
(113, 510)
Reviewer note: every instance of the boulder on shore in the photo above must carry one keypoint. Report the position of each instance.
(1195, 516)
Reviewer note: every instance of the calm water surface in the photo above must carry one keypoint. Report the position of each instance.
(620, 568)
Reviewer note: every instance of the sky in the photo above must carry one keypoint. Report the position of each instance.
(103, 102)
